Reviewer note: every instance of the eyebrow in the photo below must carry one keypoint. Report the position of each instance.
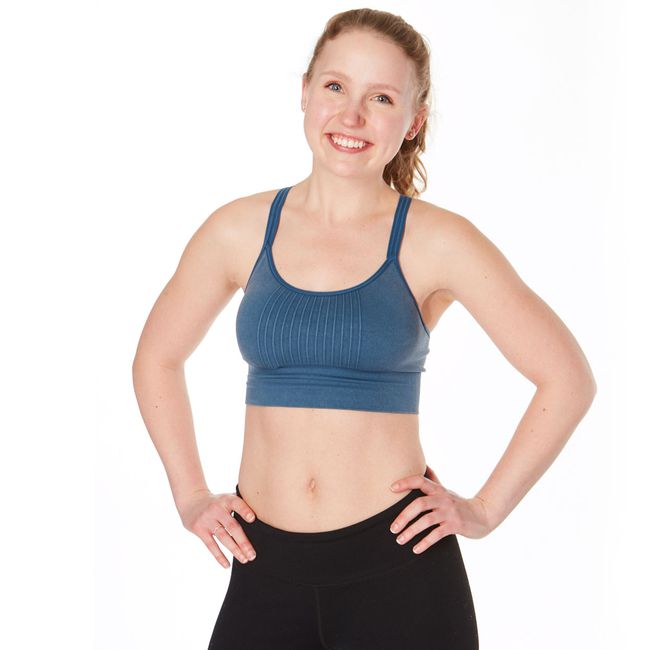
(336, 73)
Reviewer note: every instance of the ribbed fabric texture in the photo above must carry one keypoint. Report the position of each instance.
(360, 348)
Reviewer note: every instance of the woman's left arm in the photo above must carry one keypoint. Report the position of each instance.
(536, 342)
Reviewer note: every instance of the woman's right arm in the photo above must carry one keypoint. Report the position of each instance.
(199, 289)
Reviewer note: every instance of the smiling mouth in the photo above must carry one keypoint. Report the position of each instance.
(347, 143)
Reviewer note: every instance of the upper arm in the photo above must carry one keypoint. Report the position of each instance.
(524, 328)
(201, 286)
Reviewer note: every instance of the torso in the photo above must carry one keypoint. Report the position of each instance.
(305, 469)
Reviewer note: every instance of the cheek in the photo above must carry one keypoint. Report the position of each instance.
(319, 115)
(317, 119)
(392, 126)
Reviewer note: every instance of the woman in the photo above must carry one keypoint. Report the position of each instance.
(344, 275)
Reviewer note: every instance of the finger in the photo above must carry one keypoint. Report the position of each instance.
(213, 547)
(240, 506)
(242, 509)
(409, 483)
(231, 535)
(431, 539)
(430, 520)
(421, 504)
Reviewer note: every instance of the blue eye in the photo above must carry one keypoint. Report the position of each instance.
(336, 83)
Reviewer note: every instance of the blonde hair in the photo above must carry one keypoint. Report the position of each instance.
(399, 173)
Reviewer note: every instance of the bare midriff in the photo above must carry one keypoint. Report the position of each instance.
(312, 470)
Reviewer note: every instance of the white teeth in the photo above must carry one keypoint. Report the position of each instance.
(346, 142)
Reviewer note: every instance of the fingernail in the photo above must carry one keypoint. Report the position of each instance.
(250, 516)
(394, 486)
(394, 528)
(251, 556)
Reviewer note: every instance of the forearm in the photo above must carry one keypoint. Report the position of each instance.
(165, 408)
(551, 417)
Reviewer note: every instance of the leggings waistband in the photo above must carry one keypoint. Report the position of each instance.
(345, 554)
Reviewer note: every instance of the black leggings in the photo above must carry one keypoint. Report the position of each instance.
(352, 588)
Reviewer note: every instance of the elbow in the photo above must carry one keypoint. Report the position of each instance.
(142, 361)
(581, 390)
(135, 364)
(591, 387)
(585, 389)
(585, 392)
(590, 394)
(594, 388)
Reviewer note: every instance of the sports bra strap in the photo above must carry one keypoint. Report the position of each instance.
(397, 231)
(274, 214)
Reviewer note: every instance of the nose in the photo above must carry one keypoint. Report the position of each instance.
(353, 114)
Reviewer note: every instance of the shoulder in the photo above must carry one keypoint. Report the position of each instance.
(439, 226)
(455, 250)
(233, 233)
(239, 223)
(240, 217)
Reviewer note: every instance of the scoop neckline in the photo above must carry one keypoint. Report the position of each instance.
(333, 292)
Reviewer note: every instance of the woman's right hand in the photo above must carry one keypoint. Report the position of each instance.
(202, 512)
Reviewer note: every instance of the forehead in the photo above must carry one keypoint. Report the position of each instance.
(366, 58)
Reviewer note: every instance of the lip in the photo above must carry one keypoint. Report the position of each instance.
(345, 149)
(347, 135)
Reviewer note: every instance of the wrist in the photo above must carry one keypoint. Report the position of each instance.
(492, 516)
(188, 494)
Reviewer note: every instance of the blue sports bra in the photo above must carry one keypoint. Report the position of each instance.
(361, 348)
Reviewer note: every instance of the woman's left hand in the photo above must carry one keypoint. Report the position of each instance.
(453, 513)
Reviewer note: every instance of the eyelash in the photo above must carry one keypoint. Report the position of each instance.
(390, 101)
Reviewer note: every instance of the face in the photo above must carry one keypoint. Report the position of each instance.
(362, 87)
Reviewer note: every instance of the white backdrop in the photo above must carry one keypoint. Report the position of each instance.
(125, 124)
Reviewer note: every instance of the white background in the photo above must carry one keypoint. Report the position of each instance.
(125, 124)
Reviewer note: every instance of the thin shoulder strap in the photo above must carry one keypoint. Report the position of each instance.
(274, 215)
(397, 231)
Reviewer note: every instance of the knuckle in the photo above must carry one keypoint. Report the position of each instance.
(223, 536)
(427, 518)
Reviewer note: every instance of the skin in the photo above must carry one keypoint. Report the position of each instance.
(318, 469)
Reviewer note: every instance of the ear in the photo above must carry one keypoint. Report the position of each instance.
(303, 98)
(419, 119)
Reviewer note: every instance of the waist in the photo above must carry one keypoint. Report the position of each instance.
(305, 470)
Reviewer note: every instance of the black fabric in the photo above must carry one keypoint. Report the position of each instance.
(353, 588)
